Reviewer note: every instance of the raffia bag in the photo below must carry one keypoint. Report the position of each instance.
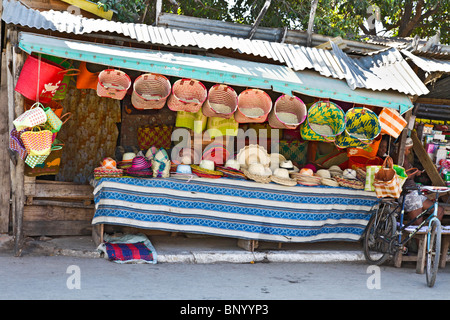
(254, 105)
(187, 95)
(386, 181)
(113, 84)
(222, 102)
(150, 91)
(288, 113)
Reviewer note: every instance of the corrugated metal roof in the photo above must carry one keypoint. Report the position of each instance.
(428, 64)
(333, 63)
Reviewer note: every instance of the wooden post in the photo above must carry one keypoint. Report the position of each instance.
(5, 179)
(15, 60)
(258, 19)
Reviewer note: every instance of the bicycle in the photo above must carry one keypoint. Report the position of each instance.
(384, 234)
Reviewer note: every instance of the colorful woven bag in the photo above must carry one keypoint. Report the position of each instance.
(51, 164)
(33, 161)
(16, 143)
(386, 181)
(325, 121)
(53, 122)
(361, 127)
(37, 143)
(392, 123)
(33, 117)
(158, 136)
(294, 150)
(217, 127)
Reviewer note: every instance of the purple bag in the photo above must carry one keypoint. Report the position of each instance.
(16, 144)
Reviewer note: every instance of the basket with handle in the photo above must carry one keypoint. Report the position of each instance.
(222, 102)
(150, 91)
(324, 122)
(113, 84)
(254, 105)
(361, 128)
(187, 95)
(287, 113)
(39, 79)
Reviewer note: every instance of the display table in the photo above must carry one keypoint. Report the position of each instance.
(234, 208)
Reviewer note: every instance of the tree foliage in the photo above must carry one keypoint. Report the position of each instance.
(350, 19)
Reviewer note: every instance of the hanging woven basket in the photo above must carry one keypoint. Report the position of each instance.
(113, 84)
(187, 95)
(325, 121)
(361, 128)
(222, 102)
(150, 91)
(254, 105)
(39, 79)
(288, 113)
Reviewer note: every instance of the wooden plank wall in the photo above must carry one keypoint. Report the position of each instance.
(55, 208)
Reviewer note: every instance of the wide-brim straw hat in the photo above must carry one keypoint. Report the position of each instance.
(257, 178)
(140, 167)
(354, 184)
(335, 171)
(253, 153)
(281, 176)
(231, 173)
(306, 180)
(329, 182)
(205, 173)
(102, 172)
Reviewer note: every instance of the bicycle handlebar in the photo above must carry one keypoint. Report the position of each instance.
(429, 188)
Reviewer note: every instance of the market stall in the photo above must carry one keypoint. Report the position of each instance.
(190, 143)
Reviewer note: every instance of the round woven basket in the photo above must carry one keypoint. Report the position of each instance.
(222, 102)
(354, 184)
(251, 100)
(187, 95)
(113, 84)
(287, 113)
(150, 91)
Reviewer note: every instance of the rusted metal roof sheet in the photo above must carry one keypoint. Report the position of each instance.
(384, 71)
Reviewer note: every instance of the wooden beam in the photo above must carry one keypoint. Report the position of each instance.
(15, 60)
(312, 15)
(5, 179)
(426, 162)
(258, 19)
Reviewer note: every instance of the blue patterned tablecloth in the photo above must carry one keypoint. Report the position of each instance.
(234, 208)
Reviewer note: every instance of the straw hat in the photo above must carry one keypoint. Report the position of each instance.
(281, 176)
(207, 164)
(140, 167)
(258, 172)
(306, 179)
(253, 154)
(183, 171)
(354, 184)
(289, 166)
(335, 170)
(229, 172)
(205, 173)
(233, 164)
(329, 182)
(275, 160)
(323, 173)
(349, 174)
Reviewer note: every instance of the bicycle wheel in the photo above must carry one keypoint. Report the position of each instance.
(433, 251)
(380, 230)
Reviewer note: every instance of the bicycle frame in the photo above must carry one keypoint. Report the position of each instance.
(428, 220)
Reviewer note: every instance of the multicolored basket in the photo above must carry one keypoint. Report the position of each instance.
(37, 143)
(222, 102)
(150, 91)
(254, 105)
(16, 143)
(113, 84)
(187, 95)
(325, 121)
(288, 113)
(361, 128)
